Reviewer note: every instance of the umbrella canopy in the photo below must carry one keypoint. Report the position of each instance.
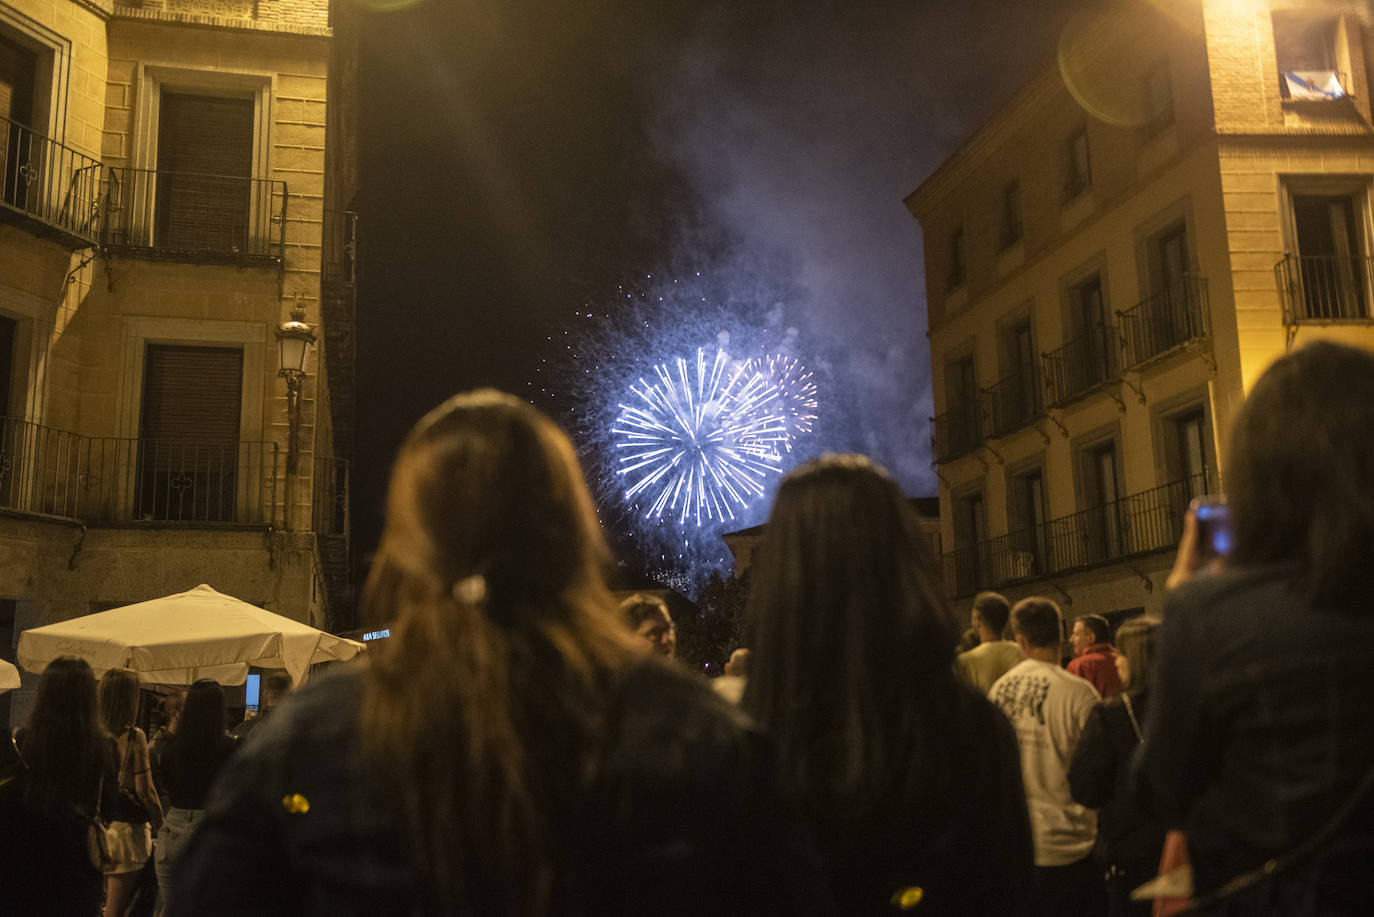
(180, 638)
(9, 677)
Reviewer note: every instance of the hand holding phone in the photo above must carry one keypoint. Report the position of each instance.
(1206, 539)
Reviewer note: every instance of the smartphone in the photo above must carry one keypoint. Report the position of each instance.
(1213, 527)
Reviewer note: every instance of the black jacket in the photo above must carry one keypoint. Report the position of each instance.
(682, 817)
(1100, 778)
(1258, 732)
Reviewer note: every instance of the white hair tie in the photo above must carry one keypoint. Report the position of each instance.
(470, 590)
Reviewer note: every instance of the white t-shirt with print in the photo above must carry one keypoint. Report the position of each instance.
(1048, 707)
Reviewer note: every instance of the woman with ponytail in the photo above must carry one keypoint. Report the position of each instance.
(507, 751)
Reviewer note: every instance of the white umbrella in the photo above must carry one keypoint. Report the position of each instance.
(180, 638)
(9, 677)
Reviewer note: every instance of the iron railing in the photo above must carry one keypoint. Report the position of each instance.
(48, 181)
(1081, 365)
(957, 431)
(339, 247)
(112, 479)
(1012, 402)
(189, 214)
(1137, 524)
(330, 511)
(1170, 318)
(1317, 288)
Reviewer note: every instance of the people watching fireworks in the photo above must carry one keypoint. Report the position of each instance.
(1257, 741)
(908, 775)
(509, 750)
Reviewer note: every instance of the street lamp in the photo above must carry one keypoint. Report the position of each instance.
(294, 339)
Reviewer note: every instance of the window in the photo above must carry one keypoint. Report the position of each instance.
(1029, 515)
(1333, 267)
(189, 441)
(1095, 344)
(1011, 215)
(1102, 517)
(1159, 98)
(1016, 399)
(205, 166)
(962, 429)
(1307, 52)
(956, 273)
(18, 75)
(970, 537)
(1080, 176)
(1171, 313)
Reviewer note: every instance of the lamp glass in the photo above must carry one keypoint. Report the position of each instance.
(292, 352)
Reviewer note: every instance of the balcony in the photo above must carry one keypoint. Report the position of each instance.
(339, 247)
(49, 187)
(1167, 320)
(1082, 366)
(957, 432)
(188, 216)
(56, 473)
(1325, 288)
(1132, 526)
(1012, 403)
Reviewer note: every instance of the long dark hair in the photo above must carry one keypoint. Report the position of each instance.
(1300, 476)
(483, 705)
(201, 737)
(64, 747)
(120, 693)
(853, 647)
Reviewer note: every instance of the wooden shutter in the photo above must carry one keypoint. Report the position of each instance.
(205, 162)
(18, 67)
(192, 394)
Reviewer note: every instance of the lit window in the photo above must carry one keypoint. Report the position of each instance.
(1306, 51)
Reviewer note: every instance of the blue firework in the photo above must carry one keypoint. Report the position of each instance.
(698, 446)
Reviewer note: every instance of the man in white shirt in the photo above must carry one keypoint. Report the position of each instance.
(1048, 707)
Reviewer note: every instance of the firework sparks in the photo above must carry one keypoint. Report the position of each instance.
(699, 445)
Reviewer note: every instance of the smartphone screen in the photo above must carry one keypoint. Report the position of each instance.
(1213, 528)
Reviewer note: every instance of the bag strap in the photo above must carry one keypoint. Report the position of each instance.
(1130, 711)
(1279, 864)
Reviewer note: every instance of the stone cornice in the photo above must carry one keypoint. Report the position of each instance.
(205, 21)
(103, 9)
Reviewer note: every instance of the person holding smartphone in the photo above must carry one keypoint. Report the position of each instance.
(1257, 742)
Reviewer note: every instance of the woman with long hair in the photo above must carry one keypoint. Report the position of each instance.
(64, 757)
(1257, 741)
(191, 759)
(137, 811)
(910, 777)
(1129, 840)
(507, 751)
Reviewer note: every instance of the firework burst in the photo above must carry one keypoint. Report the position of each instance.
(699, 446)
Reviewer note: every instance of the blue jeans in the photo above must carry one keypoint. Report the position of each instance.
(177, 828)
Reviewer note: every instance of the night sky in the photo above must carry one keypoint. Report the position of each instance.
(521, 160)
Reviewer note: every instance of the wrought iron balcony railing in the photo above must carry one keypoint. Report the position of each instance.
(195, 216)
(1134, 525)
(1012, 403)
(1081, 365)
(111, 479)
(1170, 318)
(1325, 288)
(339, 247)
(957, 431)
(48, 182)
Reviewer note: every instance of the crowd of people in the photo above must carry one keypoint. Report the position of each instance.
(526, 745)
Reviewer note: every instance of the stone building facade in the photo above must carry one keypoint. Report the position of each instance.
(176, 177)
(1114, 257)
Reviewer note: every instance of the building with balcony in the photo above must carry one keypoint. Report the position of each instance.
(174, 182)
(1114, 257)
